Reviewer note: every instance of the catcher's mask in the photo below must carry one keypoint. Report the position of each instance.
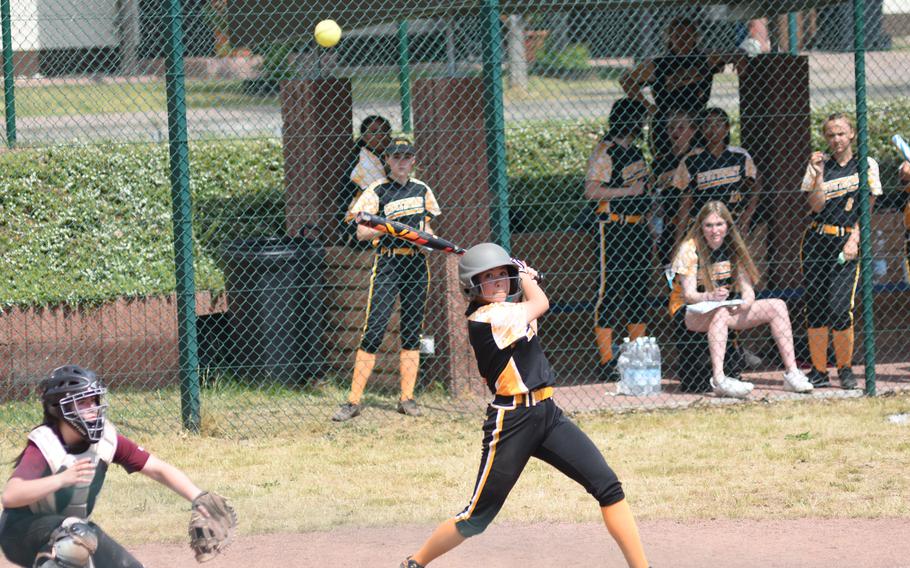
(480, 258)
(62, 392)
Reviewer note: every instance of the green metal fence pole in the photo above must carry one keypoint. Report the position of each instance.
(865, 233)
(183, 228)
(9, 94)
(792, 40)
(494, 124)
(404, 76)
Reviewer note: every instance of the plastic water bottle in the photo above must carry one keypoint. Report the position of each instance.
(880, 261)
(655, 375)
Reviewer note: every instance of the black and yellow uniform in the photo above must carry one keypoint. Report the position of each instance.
(364, 169)
(664, 169)
(625, 244)
(721, 178)
(523, 421)
(680, 82)
(694, 367)
(399, 269)
(829, 287)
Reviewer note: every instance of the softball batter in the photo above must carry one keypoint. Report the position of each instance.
(58, 476)
(832, 186)
(399, 270)
(522, 421)
(617, 180)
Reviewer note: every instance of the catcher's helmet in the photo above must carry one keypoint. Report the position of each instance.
(627, 116)
(483, 257)
(64, 388)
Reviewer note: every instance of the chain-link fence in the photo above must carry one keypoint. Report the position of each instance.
(179, 183)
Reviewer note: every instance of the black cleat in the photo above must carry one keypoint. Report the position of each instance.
(847, 379)
(410, 564)
(818, 379)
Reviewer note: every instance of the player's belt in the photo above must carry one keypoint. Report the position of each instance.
(398, 251)
(622, 219)
(833, 230)
(530, 399)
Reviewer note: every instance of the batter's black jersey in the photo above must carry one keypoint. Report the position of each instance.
(683, 82)
(841, 187)
(722, 270)
(411, 204)
(508, 351)
(716, 178)
(615, 166)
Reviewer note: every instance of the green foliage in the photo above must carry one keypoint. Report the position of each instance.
(573, 59)
(80, 225)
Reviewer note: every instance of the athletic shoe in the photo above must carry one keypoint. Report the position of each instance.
(750, 359)
(818, 379)
(347, 411)
(408, 407)
(796, 381)
(409, 563)
(847, 380)
(731, 387)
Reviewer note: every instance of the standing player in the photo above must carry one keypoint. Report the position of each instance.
(57, 478)
(682, 133)
(365, 168)
(829, 285)
(399, 270)
(522, 421)
(717, 172)
(617, 180)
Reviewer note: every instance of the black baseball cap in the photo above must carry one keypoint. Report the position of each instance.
(400, 146)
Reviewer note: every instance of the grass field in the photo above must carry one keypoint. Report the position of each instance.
(830, 459)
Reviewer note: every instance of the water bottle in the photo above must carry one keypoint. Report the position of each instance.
(656, 370)
(880, 261)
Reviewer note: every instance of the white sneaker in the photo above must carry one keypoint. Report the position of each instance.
(796, 381)
(732, 388)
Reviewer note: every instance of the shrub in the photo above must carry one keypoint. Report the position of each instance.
(572, 60)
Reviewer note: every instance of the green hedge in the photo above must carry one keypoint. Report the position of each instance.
(80, 225)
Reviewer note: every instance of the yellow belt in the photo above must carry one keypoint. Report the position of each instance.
(400, 251)
(624, 219)
(534, 397)
(833, 230)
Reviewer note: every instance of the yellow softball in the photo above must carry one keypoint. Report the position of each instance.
(327, 33)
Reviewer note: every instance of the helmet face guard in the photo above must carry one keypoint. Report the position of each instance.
(74, 415)
(481, 258)
(64, 394)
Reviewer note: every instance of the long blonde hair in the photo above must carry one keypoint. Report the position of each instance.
(742, 260)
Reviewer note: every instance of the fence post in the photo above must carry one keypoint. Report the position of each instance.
(183, 227)
(792, 39)
(865, 233)
(9, 95)
(404, 76)
(494, 124)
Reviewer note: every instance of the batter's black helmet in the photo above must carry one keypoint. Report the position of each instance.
(64, 389)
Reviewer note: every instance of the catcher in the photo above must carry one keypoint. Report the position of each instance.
(48, 500)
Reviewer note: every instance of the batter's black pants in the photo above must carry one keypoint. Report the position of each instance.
(396, 276)
(22, 539)
(829, 287)
(511, 437)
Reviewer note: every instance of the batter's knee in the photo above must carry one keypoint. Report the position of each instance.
(608, 490)
(471, 527)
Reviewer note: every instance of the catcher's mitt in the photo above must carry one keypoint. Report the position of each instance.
(209, 535)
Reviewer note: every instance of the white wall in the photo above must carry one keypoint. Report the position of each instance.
(62, 24)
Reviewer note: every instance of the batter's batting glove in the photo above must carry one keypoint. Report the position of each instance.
(523, 267)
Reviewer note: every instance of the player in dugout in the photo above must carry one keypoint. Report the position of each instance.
(830, 248)
(399, 270)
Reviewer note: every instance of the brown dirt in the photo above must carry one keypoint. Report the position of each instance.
(804, 543)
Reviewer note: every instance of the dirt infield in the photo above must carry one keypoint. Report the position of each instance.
(804, 543)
